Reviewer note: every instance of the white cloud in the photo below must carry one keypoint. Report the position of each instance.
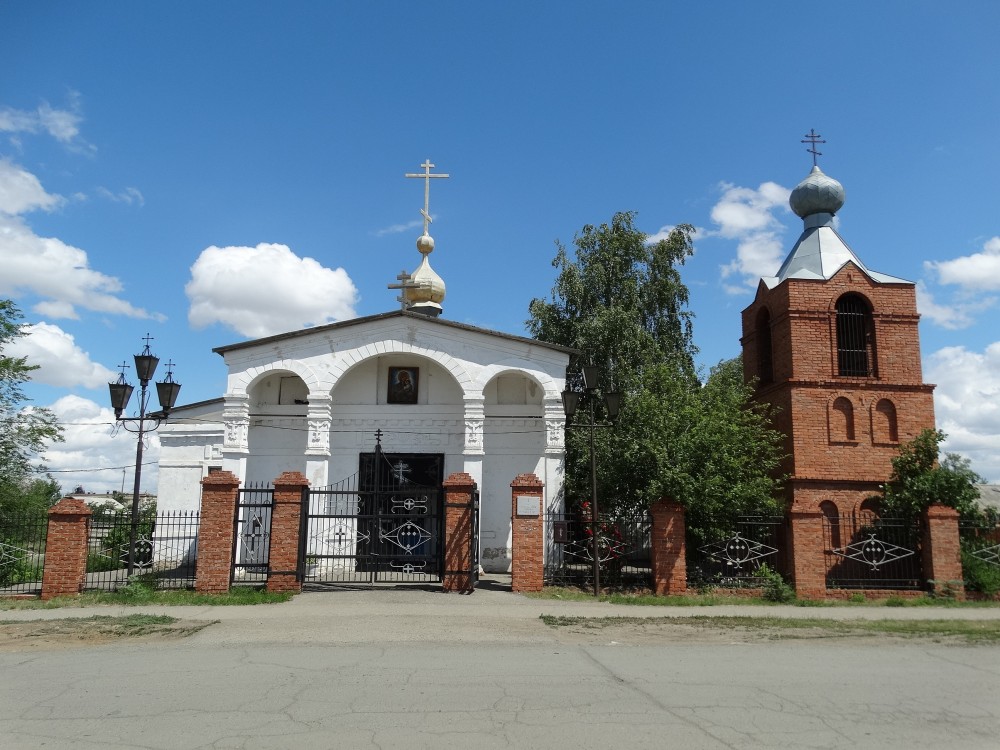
(59, 273)
(90, 456)
(978, 272)
(20, 191)
(47, 266)
(967, 403)
(60, 361)
(129, 195)
(400, 228)
(748, 216)
(263, 290)
(61, 124)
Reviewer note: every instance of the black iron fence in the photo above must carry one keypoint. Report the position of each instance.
(865, 552)
(622, 547)
(980, 544)
(166, 547)
(22, 553)
(736, 560)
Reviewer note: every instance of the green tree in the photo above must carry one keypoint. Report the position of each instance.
(919, 480)
(24, 430)
(620, 300)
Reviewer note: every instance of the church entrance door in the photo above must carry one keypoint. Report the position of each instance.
(383, 525)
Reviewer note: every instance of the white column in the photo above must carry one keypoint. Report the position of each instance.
(318, 418)
(235, 436)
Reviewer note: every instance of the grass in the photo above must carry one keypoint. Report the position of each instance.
(709, 599)
(970, 631)
(136, 594)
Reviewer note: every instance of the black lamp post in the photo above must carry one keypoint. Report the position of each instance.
(121, 391)
(612, 402)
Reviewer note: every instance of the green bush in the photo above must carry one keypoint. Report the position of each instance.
(99, 562)
(775, 588)
(15, 565)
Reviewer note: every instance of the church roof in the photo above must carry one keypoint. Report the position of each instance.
(425, 319)
(820, 251)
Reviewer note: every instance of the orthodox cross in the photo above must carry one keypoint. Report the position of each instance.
(405, 282)
(426, 177)
(812, 138)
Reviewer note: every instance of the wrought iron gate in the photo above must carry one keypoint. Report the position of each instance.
(377, 526)
(252, 535)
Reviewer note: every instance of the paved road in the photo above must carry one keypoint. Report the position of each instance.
(390, 669)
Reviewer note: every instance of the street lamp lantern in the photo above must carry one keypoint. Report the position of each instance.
(612, 403)
(121, 391)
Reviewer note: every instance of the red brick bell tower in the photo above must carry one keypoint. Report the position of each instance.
(834, 346)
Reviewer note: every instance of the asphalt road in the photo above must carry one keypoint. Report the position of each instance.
(390, 669)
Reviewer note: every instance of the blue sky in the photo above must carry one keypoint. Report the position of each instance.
(209, 172)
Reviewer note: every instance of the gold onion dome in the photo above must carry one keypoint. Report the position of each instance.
(427, 286)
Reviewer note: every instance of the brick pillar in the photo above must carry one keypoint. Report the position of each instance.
(286, 527)
(808, 554)
(66, 549)
(215, 532)
(459, 490)
(667, 548)
(528, 546)
(942, 555)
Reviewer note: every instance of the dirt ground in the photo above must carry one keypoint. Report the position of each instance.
(46, 635)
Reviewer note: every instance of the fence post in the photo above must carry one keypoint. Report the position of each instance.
(65, 570)
(941, 550)
(667, 548)
(286, 526)
(459, 489)
(527, 567)
(215, 534)
(808, 554)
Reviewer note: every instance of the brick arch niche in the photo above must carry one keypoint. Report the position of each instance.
(885, 424)
(842, 420)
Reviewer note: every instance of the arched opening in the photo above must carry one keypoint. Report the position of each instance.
(842, 420)
(855, 338)
(832, 515)
(765, 355)
(278, 434)
(884, 427)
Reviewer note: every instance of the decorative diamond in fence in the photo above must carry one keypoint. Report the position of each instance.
(608, 549)
(989, 555)
(339, 539)
(873, 552)
(143, 557)
(735, 552)
(407, 537)
(11, 554)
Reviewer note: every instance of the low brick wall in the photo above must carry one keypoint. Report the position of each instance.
(528, 531)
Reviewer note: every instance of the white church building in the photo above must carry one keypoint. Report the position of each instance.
(445, 396)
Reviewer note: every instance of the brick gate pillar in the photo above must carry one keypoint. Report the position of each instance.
(808, 554)
(459, 507)
(65, 570)
(527, 567)
(941, 550)
(667, 548)
(286, 527)
(219, 492)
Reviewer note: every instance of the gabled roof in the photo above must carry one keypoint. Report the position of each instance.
(424, 319)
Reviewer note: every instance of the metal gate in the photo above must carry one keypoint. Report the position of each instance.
(252, 535)
(377, 526)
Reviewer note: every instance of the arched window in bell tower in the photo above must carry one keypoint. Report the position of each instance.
(765, 356)
(855, 338)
